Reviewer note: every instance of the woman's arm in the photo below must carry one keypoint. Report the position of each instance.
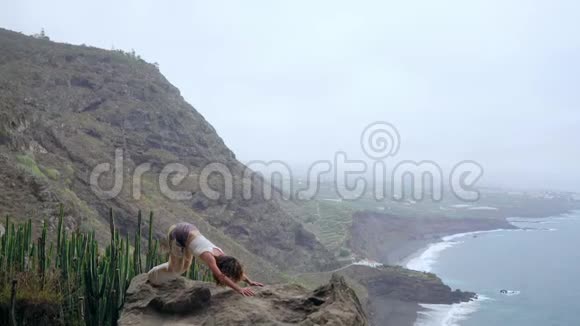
(250, 282)
(209, 259)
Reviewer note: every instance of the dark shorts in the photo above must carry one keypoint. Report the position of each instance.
(180, 233)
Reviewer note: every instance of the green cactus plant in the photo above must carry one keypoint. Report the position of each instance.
(92, 283)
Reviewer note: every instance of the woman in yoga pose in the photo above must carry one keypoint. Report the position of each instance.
(185, 242)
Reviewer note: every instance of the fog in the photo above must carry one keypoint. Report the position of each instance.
(487, 80)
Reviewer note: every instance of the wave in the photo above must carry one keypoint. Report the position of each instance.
(447, 315)
(452, 315)
(424, 262)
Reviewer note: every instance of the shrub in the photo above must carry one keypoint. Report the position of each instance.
(51, 173)
(27, 163)
(344, 252)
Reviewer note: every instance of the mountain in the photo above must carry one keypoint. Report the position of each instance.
(65, 109)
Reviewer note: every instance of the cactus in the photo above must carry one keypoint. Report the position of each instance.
(150, 254)
(41, 252)
(137, 247)
(92, 282)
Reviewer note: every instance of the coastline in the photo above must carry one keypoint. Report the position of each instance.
(391, 239)
(412, 261)
(423, 260)
(425, 257)
(421, 246)
(397, 241)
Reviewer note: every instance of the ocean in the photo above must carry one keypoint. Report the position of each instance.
(538, 267)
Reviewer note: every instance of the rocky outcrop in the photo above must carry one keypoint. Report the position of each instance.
(391, 295)
(186, 302)
(406, 285)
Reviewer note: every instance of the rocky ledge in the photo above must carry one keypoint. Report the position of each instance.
(187, 302)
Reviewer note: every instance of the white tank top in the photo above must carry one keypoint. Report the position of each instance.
(201, 244)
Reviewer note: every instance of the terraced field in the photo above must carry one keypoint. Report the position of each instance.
(335, 219)
(329, 220)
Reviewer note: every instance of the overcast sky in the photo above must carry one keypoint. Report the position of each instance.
(496, 81)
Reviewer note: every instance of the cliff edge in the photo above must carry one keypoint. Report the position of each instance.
(187, 302)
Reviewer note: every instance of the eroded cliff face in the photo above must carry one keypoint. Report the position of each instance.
(390, 295)
(186, 302)
(64, 109)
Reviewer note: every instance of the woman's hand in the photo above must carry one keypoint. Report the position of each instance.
(252, 283)
(247, 292)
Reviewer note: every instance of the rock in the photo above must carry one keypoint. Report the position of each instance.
(35, 147)
(187, 302)
(390, 295)
(179, 296)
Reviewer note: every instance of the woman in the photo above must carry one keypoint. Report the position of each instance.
(185, 242)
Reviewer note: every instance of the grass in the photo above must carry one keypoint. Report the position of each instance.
(32, 290)
(163, 155)
(51, 173)
(28, 164)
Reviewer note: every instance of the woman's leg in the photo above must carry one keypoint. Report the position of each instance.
(171, 269)
(160, 274)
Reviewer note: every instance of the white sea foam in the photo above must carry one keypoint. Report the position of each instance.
(424, 261)
(447, 315)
